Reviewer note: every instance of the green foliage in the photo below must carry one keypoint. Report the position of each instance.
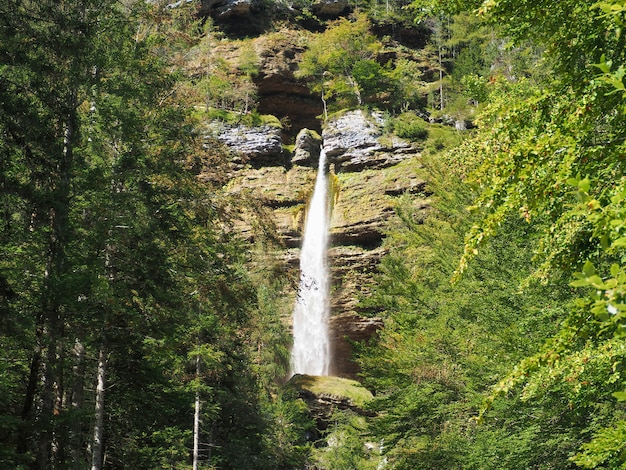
(552, 154)
(287, 434)
(340, 61)
(346, 446)
(409, 126)
(216, 82)
(606, 449)
(445, 344)
(343, 66)
(110, 242)
(333, 386)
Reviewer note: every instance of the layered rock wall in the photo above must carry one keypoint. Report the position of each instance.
(369, 170)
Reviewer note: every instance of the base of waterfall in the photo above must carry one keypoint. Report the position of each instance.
(324, 395)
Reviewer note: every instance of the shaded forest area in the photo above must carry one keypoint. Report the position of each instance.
(138, 331)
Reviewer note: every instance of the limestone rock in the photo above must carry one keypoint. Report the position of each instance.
(275, 186)
(354, 141)
(280, 92)
(364, 202)
(221, 9)
(282, 192)
(352, 268)
(261, 145)
(308, 144)
(330, 8)
(346, 329)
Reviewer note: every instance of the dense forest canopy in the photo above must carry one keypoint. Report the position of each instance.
(138, 330)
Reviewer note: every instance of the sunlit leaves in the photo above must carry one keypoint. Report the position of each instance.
(606, 450)
(343, 68)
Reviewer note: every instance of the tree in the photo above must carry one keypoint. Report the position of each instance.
(444, 345)
(552, 153)
(341, 62)
(112, 253)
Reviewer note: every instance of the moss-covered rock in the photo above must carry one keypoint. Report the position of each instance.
(325, 395)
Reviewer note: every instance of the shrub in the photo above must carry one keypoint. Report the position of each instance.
(410, 126)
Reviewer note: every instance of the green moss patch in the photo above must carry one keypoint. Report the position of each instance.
(332, 386)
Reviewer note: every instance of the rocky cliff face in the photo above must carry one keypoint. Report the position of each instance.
(370, 170)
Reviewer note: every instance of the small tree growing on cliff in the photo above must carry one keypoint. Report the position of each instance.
(341, 63)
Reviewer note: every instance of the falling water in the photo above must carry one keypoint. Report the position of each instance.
(311, 351)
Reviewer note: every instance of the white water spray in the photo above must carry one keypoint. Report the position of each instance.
(311, 346)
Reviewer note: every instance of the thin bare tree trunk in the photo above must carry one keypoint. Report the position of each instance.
(196, 420)
(78, 396)
(47, 405)
(98, 427)
(31, 389)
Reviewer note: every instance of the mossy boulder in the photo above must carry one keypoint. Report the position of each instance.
(325, 395)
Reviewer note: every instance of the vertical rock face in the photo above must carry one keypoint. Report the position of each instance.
(257, 146)
(280, 92)
(369, 171)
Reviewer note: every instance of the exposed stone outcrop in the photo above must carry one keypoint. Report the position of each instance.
(280, 92)
(365, 202)
(354, 140)
(223, 9)
(285, 193)
(352, 270)
(345, 329)
(258, 146)
(325, 395)
(308, 144)
(330, 8)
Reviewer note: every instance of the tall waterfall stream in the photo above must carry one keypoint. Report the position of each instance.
(311, 346)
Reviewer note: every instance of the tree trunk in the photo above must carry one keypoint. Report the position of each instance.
(31, 390)
(324, 104)
(196, 420)
(355, 87)
(52, 290)
(78, 396)
(98, 427)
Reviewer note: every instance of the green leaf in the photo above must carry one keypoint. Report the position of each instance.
(596, 281)
(615, 269)
(589, 269)
(620, 242)
(604, 65)
(584, 185)
(579, 283)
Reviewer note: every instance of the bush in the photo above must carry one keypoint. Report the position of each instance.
(409, 126)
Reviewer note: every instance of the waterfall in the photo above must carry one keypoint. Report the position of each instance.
(311, 346)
